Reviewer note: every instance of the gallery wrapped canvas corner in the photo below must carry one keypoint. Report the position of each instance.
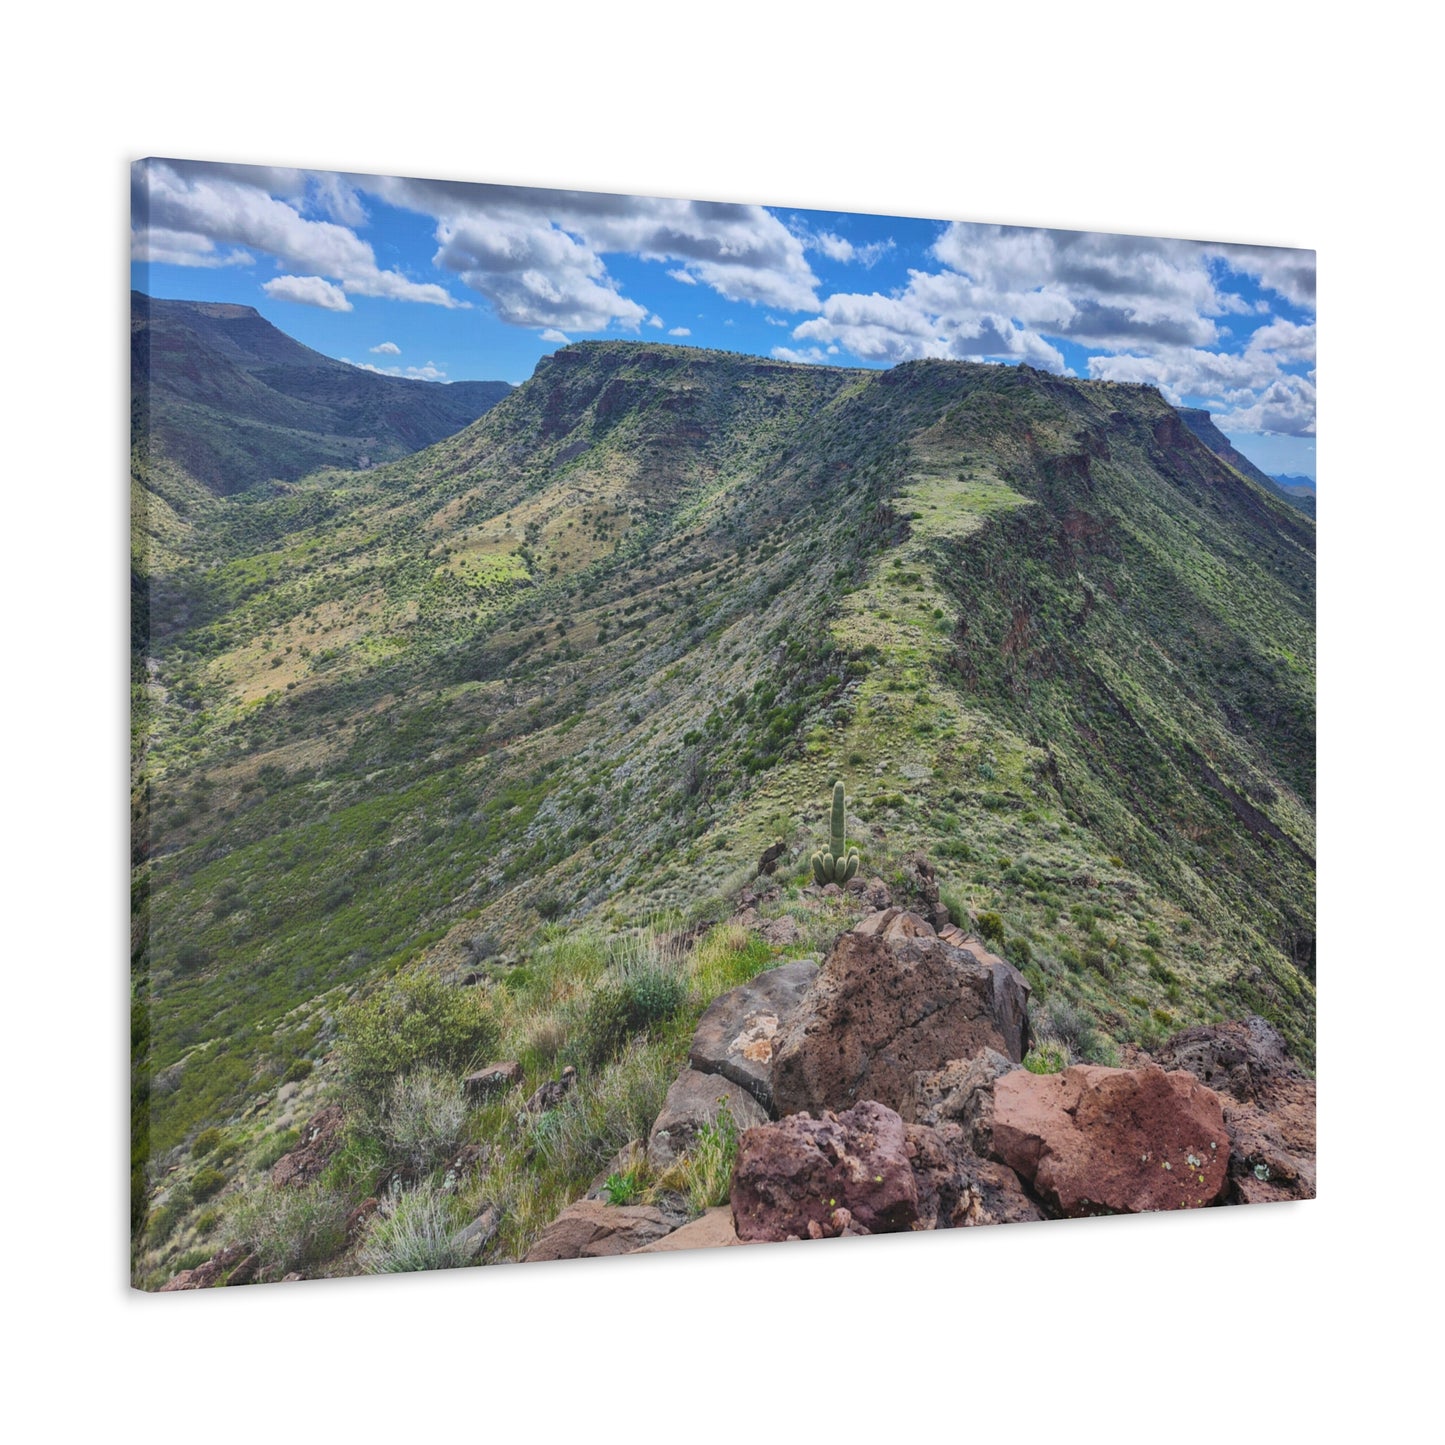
(666, 724)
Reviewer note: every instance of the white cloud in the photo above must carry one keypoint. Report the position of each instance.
(182, 248)
(655, 320)
(429, 372)
(839, 248)
(835, 248)
(679, 331)
(680, 275)
(225, 205)
(812, 355)
(308, 291)
(1285, 408)
(776, 321)
(1287, 272)
(387, 348)
(552, 334)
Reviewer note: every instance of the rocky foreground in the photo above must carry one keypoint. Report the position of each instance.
(885, 1091)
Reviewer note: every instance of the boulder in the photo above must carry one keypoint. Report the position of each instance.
(473, 1238)
(924, 884)
(359, 1218)
(713, 1230)
(1244, 1060)
(780, 932)
(768, 863)
(209, 1274)
(956, 1188)
(246, 1271)
(550, 1094)
(876, 894)
(793, 1176)
(1093, 1140)
(494, 1079)
(590, 1229)
(735, 1036)
(961, 1093)
(893, 1000)
(320, 1139)
(1269, 1106)
(693, 1100)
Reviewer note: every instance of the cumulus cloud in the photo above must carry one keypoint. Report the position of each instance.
(429, 372)
(839, 248)
(655, 320)
(552, 334)
(182, 248)
(196, 207)
(309, 291)
(537, 255)
(1285, 408)
(679, 331)
(386, 348)
(1287, 272)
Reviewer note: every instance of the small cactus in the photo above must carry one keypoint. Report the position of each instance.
(835, 864)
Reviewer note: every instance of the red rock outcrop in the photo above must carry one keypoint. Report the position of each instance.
(320, 1139)
(893, 1000)
(1093, 1140)
(792, 1177)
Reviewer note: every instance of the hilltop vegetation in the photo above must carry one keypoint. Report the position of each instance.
(577, 665)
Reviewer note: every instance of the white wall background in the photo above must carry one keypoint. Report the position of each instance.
(1238, 122)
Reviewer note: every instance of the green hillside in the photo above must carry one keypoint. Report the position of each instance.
(579, 663)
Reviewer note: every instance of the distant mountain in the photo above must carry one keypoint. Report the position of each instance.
(1296, 486)
(229, 400)
(1202, 425)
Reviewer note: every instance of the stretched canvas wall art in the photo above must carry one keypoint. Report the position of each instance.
(666, 724)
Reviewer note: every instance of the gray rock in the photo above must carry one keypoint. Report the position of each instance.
(962, 1093)
(735, 1036)
(480, 1232)
(693, 1100)
(494, 1079)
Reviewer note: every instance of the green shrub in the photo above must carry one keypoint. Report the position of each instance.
(290, 1228)
(705, 1172)
(624, 1187)
(206, 1142)
(1048, 1056)
(205, 1182)
(548, 904)
(300, 1069)
(990, 928)
(414, 1021)
(1019, 952)
(626, 1006)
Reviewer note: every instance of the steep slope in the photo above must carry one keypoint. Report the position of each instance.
(586, 658)
(1201, 423)
(232, 401)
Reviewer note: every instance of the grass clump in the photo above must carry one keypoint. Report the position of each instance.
(415, 1231)
(704, 1174)
(421, 1121)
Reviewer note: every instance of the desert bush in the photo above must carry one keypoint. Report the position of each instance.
(282, 1142)
(414, 1021)
(1072, 1027)
(289, 1228)
(420, 1121)
(990, 928)
(1019, 951)
(415, 1231)
(206, 1142)
(299, 1069)
(205, 1182)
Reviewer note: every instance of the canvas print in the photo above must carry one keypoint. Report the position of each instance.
(664, 723)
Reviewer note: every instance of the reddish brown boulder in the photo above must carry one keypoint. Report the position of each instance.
(736, 1036)
(1093, 1140)
(1269, 1106)
(713, 1230)
(590, 1229)
(359, 1218)
(893, 1000)
(957, 1189)
(792, 1176)
(246, 1271)
(320, 1139)
(494, 1079)
(209, 1274)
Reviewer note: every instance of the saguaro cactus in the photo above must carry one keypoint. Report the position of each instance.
(835, 864)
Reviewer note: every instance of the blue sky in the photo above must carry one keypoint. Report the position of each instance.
(451, 281)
